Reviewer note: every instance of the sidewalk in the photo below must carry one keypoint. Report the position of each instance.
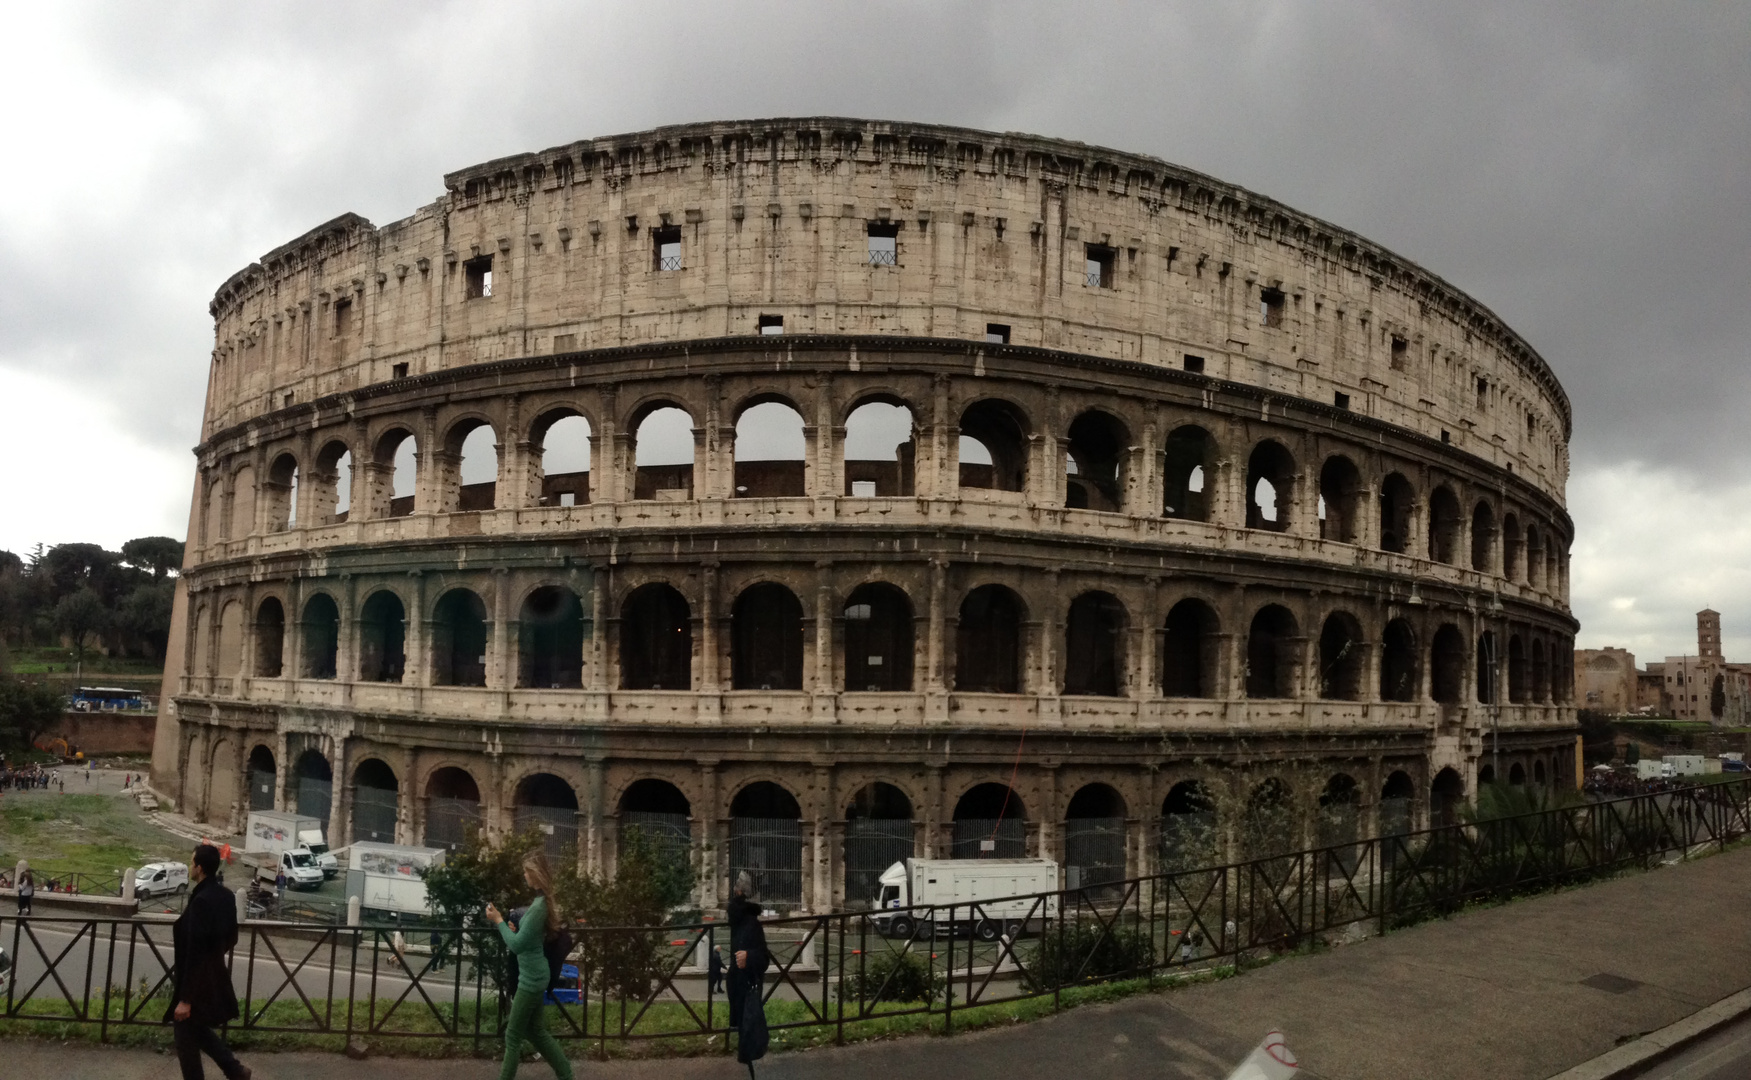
(1518, 992)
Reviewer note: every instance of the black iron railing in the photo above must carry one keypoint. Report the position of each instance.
(834, 974)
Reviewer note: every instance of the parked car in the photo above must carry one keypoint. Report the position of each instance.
(160, 879)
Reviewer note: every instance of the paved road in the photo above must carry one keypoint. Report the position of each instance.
(1725, 1055)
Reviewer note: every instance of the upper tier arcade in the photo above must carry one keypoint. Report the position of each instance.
(829, 226)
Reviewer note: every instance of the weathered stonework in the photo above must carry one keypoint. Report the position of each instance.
(1166, 333)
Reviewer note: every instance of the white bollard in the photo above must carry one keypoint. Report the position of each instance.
(128, 885)
(354, 903)
(242, 898)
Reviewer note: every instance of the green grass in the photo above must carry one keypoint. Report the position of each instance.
(90, 834)
(54, 660)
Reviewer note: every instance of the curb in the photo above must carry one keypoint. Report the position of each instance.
(1656, 1046)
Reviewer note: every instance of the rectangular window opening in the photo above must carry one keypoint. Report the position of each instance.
(399, 371)
(289, 400)
(563, 343)
(1483, 393)
(884, 243)
(1341, 399)
(568, 498)
(1194, 364)
(343, 317)
(479, 276)
(996, 333)
(1271, 306)
(771, 324)
(666, 247)
(1101, 260)
(863, 489)
(1446, 436)
(1400, 350)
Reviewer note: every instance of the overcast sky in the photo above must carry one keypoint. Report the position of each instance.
(1583, 170)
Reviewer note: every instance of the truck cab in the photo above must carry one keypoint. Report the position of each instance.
(298, 864)
(325, 859)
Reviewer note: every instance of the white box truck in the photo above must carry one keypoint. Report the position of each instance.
(929, 887)
(388, 877)
(1689, 764)
(272, 830)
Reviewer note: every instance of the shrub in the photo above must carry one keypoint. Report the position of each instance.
(893, 976)
(1089, 952)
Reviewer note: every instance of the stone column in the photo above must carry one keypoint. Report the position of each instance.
(498, 675)
(590, 823)
(339, 803)
(599, 674)
(707, 837)
(825, 682)
(935, 816)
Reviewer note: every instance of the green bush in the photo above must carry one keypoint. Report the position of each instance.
(894, 976)
(1088, 952)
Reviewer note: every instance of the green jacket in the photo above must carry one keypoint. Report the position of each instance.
(526, 942)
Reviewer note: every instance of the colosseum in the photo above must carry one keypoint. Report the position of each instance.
(802, 494)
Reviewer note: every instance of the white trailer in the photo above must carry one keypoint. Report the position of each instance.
(1692, 764)
(993, 896)
(389, 877)
(275, 831)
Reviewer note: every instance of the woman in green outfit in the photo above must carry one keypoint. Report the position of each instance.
(528, 1021)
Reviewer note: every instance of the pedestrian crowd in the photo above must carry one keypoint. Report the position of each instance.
(29, 777)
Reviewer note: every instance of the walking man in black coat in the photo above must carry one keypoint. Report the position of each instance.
(203, 998)
(746, 991)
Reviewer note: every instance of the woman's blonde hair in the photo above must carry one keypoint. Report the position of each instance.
(535, 866)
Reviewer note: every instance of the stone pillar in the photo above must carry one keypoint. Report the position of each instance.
(590, 823)
(282, 768)
(346, 659)
(498, 675)
(599, 673)
(417, 665)
(707, 838)
(339, 803)
(429, 463)
(1050, 816)
(936, 816)
(825, 681)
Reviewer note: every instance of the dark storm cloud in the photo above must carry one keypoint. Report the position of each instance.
(1582, 170)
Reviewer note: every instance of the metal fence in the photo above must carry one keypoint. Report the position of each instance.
(835, 972)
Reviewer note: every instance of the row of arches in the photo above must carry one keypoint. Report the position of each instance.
(1096, 469)
(878, 631)
(1198, 823)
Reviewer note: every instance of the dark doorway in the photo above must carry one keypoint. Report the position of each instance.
(382, 638)
(766, 639)
(988, 642)
(878, 639)
(656, 640)
(459, 636)
(550, 639)
(1094, 645)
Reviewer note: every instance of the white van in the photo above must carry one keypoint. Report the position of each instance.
(160, 879)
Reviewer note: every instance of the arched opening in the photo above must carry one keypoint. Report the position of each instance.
(878, 639)
(1094, 462)
(1398, 662)
(1486, 774)
(988, 642)
(242, 502)
(280, 494)
(1489, 689)
(1188, 463)
(1446, 795)
(656, 813)
(560, 445)
(766, 638)
(1270, 654)
(990, 823)
(1397, 799)
(1516, 774)
(766, 840)
(1188, 828)
(230, 640)
(1538, 774)
(550, 639)
(993, 447)
(263, 775)
(1483, 537)
(1511, 544)
(452, 807)
(656, 639)
(315, 786)
(1269, 825)
(1444, 518)
(382, 638)
(1534, 556)
(321, 634)
(1338, 823)
(1447, 665)
(663, 455)
(1190, 651)
(1094, 838)
(878, 834)
(881, 450)
(1270, 476)
(1516, 670)
(1340, 497)
(1341, 656)
(547, 804)
(459, 637)
(1397, 501)
(1540, 673)
(394, 474)
(471, 481)
(770, 449)
(376, 802)
(329, 494)
(1094, 645)
(270, 638)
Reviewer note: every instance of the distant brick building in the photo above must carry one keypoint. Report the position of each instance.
(1704, 686)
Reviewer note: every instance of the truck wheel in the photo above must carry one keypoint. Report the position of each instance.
(986, 930)
(900, 927)
(1013, 929)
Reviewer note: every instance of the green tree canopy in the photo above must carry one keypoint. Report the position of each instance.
(157, 555)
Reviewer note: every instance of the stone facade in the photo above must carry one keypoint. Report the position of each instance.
(1198, 508)
(1704, 687)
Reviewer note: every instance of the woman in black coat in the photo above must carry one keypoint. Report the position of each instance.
(746, 992)
(202, 997)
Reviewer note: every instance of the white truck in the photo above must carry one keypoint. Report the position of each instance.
(296, 863)
(390, 877)
(273, 830)
(918, 892)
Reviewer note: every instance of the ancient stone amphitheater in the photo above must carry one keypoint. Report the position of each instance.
(807, 493)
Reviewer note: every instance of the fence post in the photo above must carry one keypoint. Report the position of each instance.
(354, 906)
(241, 899)
(128, 885)
(948, 982)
